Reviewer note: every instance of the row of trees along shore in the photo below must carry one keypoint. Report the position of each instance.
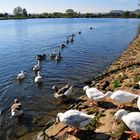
(20, 13)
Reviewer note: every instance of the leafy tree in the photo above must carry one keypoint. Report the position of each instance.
(126, 14)
(6, 14)
(70, 12)
(18, 11)
(24, 12)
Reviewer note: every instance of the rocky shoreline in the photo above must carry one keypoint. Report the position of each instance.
(123, 74)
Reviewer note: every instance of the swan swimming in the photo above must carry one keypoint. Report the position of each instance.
(21, 75)
(38, 78)
(37, 67)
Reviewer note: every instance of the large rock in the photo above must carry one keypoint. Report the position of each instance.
(55, 129)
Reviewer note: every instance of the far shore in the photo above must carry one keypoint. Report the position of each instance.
(22, 18)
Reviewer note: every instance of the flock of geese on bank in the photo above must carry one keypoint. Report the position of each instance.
(79, 120)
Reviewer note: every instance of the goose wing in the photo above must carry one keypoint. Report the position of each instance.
(63, 89)
(69, 91)
(75, 118)
(123, 96)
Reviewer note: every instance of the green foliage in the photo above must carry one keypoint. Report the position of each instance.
(116, 83)
(126, 14)
(137, 79)
(94, 123)
(69, 13)
(93, 111)
(24, 13)
(19, 12)
(134, 67)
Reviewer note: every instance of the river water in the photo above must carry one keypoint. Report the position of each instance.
(90, 53)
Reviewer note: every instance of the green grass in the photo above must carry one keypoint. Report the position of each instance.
(116, 83)
(94, 123)
(137, 79)
(134, 67)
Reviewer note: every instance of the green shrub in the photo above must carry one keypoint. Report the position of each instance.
(116, 84)
(137, 79)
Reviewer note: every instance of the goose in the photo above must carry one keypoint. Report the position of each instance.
(93, 94)
(16, 110)
(73, 35)
(74, 118)
(121, 97)
(63, 92)
(62, 45)
(41, 57)
(16, 113)
(53, 55)
(67, 41)
(21, 75)
(79, 32)
(71, 40)
(37, 67)
(38, 78)
(58, 57)
(132, 120)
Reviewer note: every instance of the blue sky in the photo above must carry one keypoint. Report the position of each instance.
(39, 6)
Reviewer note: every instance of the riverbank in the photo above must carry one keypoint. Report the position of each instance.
(122, 74)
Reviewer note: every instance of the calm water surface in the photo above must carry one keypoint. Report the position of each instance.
(88, 55)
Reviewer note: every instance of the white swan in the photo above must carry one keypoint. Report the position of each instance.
(37, 67)
(121, 97)
(63, 92)
(74, 118)
(93, 94)
(132, 120)
(38, 78)
(21, 75)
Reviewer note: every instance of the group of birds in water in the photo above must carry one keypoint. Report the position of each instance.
(78, 119)
(53, 56)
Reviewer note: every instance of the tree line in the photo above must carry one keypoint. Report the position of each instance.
(19, 12)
